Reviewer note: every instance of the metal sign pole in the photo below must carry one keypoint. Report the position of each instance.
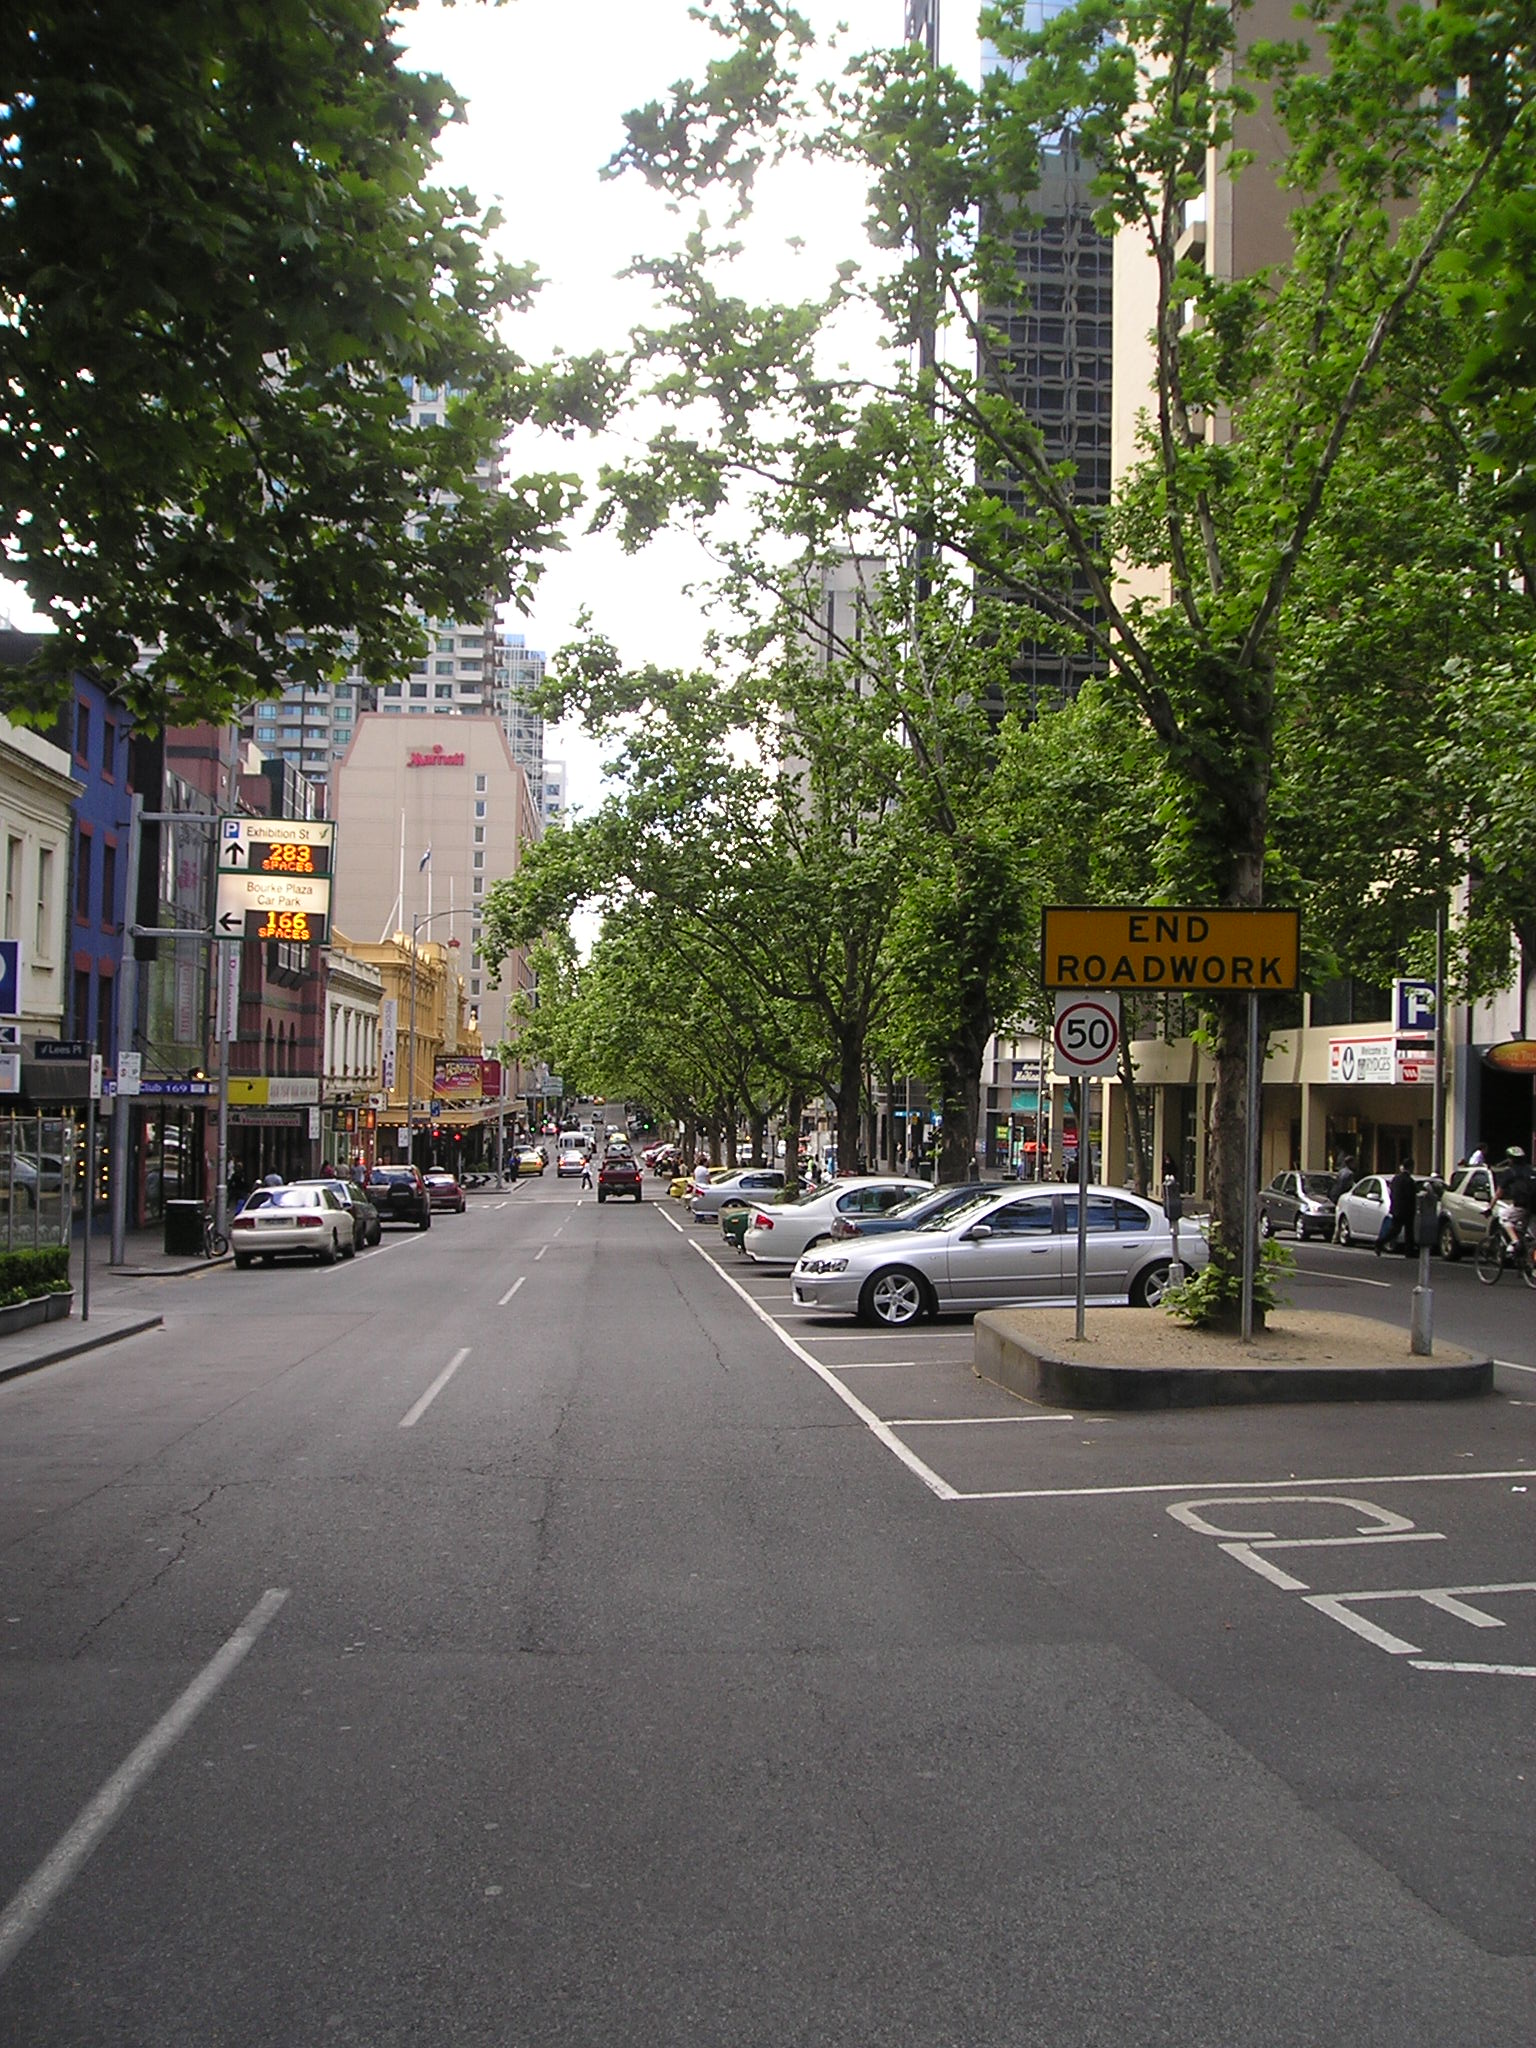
(127, 1021)
(1084, 1088)
(90, 1206)
(1250, 1166)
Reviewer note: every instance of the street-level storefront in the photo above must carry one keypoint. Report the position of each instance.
(274, 1126)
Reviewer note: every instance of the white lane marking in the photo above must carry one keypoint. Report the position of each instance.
(881, 1431)
(499, 1205)
(25, 1913)
(968, 1421)
(512, 1290)
(672, 1220)
(888, 1364)
(1488, 1670)
(1344, 1279)
(1509, 1365)
(414, 1414)
(1190, 1486)
(543, 1248)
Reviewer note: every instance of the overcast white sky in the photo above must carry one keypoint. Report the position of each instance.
(548, 84)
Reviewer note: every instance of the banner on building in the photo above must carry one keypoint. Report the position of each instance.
(456, 1080)
(389, 1025)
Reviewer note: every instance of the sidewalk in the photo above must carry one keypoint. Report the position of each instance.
(29, 1350)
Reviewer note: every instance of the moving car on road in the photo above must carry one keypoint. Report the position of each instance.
(574, 1148)
(778, 1235)
(400, 1195)
(1008, 1250)
(529, 1161)
(618, 1175)
(307, 1222)
(444, 1192)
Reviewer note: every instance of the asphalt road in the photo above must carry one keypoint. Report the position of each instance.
(538, 1632)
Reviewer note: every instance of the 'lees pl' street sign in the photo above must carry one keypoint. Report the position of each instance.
(1226, 952)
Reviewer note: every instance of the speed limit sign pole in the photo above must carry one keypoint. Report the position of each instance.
(1086, 1040)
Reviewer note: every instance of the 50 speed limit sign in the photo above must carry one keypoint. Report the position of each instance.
(1087, 1034)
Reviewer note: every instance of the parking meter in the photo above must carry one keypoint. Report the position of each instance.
(1427, 1219)
(1173, 1209)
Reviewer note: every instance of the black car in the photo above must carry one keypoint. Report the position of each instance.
(400, 1195)
(366, 1227)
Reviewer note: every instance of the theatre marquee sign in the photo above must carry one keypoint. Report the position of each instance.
(1209, 952)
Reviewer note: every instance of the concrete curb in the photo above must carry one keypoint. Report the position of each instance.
(1035, 1373)
(166, 1272)
(73, 1347)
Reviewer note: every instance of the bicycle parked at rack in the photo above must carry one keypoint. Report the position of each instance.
(215, 1243)
(1505, 1244)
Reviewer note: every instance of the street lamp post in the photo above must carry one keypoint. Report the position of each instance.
(418, 925)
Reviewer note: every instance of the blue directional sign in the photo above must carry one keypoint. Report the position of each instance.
(10, 977)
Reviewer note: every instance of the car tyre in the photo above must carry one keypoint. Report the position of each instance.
(378, 1234)
(1447, 1243)
(349, 1249)
(242, 1262)
(1342, 1234)
(638, 1196)
(426, 1221)
(1266, 1228)
(601, 1197)
(896, 1298)
(1148, 1288)
(328, 1254)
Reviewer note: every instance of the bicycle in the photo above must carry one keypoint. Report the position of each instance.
(1501, 1247)
(215, 1243)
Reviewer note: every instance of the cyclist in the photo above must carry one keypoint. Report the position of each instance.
(1512, 1184)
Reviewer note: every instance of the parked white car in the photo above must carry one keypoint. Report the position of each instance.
(777, 1236)
(1013, 1250)
(301, 1221)
(746, 1183)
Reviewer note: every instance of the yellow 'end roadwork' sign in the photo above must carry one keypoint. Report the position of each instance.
(1215, 952)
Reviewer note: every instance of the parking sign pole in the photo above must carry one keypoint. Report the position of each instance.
(1250, 1168)
(1084, 1100)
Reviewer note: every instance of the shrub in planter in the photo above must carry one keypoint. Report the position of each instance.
(28, 1273)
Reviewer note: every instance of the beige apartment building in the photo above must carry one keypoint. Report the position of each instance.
(429, 814)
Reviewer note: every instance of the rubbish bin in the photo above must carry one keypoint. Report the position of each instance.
(184, 1222)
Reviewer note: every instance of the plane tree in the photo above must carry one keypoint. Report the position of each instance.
(222, 255)
(1260, 387)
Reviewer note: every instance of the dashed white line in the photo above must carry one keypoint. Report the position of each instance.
(414, 1413)
(543, 1248)
(26, 1911)
(512, 1290)
(1486, 1670)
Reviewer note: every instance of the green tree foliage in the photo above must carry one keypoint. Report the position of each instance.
(221, 255)
(1266, 392)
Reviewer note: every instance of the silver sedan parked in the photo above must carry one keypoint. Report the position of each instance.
(777, 1236)
(1014, 1250)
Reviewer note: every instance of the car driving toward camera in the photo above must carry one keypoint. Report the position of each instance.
(1005, 1251)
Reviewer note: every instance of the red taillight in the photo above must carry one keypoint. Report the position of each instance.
(308, 1222)
(761, 1222)
(243, 1223)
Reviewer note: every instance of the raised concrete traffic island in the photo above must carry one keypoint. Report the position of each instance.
(1142, 1358)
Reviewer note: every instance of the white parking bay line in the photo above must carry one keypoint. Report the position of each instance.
(1509, 1365)
(881, 1431)
(512, 1290)
(414, 1414)
(25, 1913)
(968, 1421)
(867, 1337)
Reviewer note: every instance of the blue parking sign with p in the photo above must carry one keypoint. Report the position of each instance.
(1413, 1008)
(10, 977)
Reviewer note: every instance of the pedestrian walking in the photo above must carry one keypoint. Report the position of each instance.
(1344, 1179)
(586, 1169)
(1402, 1205)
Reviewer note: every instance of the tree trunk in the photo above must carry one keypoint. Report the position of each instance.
(960, 1090)
(850, 1079)
(1135, 1141)
(793, 1110)
(690, 1144)
(758, 1125)
(729, 1122)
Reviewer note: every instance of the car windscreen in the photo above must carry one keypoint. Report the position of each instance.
(297, 1198)
(1318, 1185)
(947, 1213)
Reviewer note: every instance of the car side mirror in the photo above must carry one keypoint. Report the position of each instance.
(976, 1233)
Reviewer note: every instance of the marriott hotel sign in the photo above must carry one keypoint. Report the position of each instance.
(1230, 952)
(436, 759)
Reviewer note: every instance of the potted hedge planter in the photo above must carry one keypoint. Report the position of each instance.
(34, 1287)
